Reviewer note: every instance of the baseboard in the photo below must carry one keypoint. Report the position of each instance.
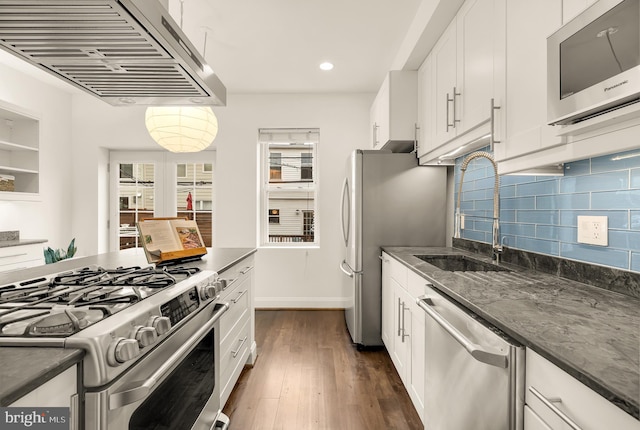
(300, 303)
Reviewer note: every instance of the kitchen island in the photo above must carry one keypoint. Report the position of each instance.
(590, 333)
(24, 368)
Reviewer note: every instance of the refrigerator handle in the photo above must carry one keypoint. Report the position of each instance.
(348, 270)
(345, 228)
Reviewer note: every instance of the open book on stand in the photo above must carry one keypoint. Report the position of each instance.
(166, 239)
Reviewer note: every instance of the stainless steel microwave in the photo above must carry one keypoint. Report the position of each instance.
(593, 62)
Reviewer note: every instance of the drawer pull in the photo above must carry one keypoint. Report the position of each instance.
(237, 351)
(246, 270)
(239, 295)
(13, 255)
(548, 402)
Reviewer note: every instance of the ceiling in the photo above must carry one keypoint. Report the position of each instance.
(275, 46)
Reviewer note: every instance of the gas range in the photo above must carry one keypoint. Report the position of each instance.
(115, 315)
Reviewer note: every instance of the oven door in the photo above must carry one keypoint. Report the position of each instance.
(175, 386)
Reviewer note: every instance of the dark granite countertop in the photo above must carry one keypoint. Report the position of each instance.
(589, 332)
(23, 369)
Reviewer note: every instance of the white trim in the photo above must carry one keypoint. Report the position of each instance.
(301, 302)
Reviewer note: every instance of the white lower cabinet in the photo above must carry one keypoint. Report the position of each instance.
(554, 398)
(236, 326)
(403, 323)
(533, 421)
(21, 257)
(61, 391)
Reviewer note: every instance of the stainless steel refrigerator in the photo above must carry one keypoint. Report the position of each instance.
(387, 200)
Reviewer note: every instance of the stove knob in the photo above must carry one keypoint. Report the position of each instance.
(161, 324)
(208, 292)
(125, 350)
(145, 336)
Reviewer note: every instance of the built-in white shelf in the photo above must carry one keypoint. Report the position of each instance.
(20, 151)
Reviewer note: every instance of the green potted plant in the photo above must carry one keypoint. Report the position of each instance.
(51, 256)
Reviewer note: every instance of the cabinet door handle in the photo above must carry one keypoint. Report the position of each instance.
(404, 331)
(452, 100)
(416, 135)
(494, 108)
(549, 403)
(399, 317)
(237, 351)
(375, 134)
(447, 118)
(239, 295)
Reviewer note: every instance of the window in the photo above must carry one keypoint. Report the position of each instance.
(274, 216)
(194, 197)
(159, 184)
(275, 166)
(306, 166)
(289, 192)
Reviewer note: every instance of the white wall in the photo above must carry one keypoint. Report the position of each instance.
(287, 277)
(50, 216)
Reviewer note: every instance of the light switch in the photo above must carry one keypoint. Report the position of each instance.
(593, 230)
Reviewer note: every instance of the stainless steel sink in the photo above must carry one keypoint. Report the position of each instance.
(460, 263)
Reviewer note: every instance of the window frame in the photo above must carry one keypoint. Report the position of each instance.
(165, 195)
(301, 138)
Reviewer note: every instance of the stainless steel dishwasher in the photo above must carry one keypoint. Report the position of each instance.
(474, 375)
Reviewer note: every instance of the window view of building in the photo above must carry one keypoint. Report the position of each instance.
(195, 196)
(136, 190)
(289, 192)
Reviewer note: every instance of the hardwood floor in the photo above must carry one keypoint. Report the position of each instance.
(308, 375)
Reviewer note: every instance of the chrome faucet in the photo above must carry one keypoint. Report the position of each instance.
(496, 245)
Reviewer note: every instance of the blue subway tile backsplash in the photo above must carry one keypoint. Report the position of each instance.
(539, 213)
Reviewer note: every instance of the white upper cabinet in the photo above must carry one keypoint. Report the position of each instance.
(528, 25)
(394, 112)
(425, 142)
(444, 81)
(466, 67)
(480, 24)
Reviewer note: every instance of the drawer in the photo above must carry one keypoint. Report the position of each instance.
(239, 306)
(588, 409)
(233, 357)
(234, 276)
(398, 272)
(533, 421)
(22, 256)
(417, 285)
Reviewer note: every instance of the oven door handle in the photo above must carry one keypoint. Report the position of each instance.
(140, 391)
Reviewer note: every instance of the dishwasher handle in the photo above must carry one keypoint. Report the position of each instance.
(478, 352)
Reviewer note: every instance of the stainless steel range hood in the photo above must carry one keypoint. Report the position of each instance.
(121, 51)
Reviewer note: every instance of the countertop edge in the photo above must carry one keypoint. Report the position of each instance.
(37, 379)
(20, 242)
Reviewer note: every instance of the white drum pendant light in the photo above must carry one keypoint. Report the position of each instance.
(182, 128)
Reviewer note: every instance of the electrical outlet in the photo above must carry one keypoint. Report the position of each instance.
(593, 230)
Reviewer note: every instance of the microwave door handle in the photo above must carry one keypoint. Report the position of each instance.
(478, 352)
(131, 395)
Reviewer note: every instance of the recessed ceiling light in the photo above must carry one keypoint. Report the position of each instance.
(326, 66)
